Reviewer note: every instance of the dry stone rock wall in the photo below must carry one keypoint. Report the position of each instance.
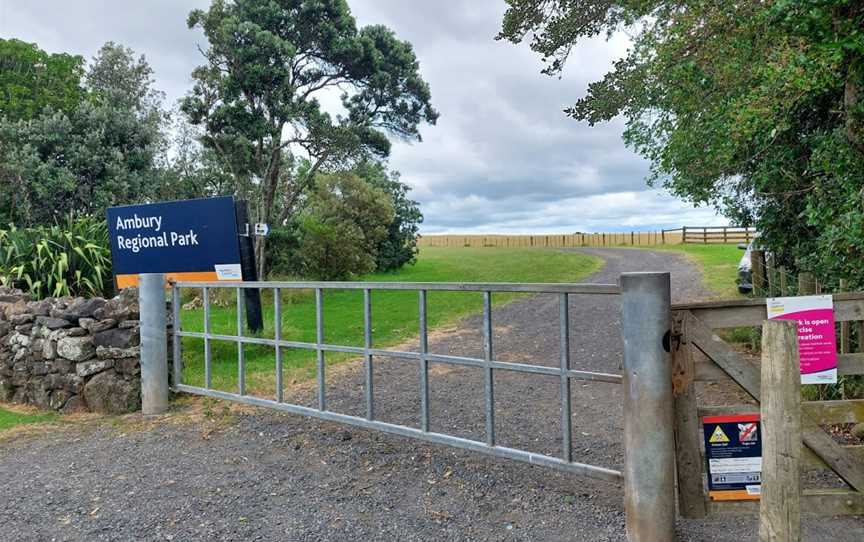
(70, 354)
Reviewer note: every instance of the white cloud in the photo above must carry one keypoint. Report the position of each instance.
(503, 156)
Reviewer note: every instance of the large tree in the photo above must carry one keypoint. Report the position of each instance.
(188, 169)
(755, 107)
(31, 80)
(97, 153)
(117, 77)
(259, 95)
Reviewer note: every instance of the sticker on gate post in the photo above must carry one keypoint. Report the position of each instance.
(733, 451)
(817, 344)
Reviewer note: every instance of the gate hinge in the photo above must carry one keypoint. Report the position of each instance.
(670, 340)
(675, 336)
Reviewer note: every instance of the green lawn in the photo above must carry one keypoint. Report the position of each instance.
(719, 264)
(11, 419)
(394, 313)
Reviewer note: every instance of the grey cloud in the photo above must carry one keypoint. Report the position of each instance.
(503, 155)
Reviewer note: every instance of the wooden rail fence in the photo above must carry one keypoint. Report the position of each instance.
(715, 234)
(677, 236)
(702, 357)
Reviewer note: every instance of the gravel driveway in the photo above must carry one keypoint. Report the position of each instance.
(261, 475)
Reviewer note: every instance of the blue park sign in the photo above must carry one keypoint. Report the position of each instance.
(187, 240)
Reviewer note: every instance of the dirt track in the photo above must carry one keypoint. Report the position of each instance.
(267, 476)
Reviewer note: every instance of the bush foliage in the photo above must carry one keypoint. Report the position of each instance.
(69, 258)
(399, 246)
(341, 227)
(756, 110)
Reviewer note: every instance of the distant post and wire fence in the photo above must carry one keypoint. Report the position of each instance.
(676, 236)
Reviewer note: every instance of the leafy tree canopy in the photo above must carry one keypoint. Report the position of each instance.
(399, 246)
(31, 79)
(259, 94)
(98, 153)
(341, 227)
(118, 78)
(188, 169)
(754, 107)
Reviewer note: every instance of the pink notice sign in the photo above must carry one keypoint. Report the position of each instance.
(817, 344)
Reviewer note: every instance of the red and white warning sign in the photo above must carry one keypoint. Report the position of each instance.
(747, 432)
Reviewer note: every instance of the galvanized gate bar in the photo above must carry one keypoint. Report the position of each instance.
(367, 357)
(487, 363)
(208, 374)
(398, 354)
(566, 422)
(277, 336)
(241, 359)
(176, 354)
(319, 340)
(488, 383)
(424, 362)
(530, 288)
(589, 471)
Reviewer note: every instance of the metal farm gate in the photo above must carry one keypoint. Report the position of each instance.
(648, 474)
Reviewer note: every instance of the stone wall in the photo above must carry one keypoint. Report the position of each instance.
(70, 354)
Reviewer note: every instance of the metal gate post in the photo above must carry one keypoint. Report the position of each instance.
(154, 343)
(649, 442)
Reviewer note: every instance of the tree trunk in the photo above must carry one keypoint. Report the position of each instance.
(852, 102)
(261, 257)
(266, 211)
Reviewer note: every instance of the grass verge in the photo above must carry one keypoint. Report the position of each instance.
(718, 263)
(394, 313)
(10, 418)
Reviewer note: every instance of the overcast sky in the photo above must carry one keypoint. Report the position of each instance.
(502, 158)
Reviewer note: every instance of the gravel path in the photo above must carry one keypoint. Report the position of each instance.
(261, 475)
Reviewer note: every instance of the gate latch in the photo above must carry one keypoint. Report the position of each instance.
(670, 338)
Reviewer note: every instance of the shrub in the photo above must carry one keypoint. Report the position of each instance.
(341, 227)
(399, 247)
(282, 251)
(69, 258)
(333, 250)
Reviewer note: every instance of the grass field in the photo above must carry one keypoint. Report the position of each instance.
(9, 418)
(394, 313)
(719, 264)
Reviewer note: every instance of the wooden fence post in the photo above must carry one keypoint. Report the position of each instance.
(861, 337)
(806, 283)
(663, 236)
(688, 458)
(757, 271)
(784, 288)
(780, 506)
(683, 234)
(844, 326)
(770, 275)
